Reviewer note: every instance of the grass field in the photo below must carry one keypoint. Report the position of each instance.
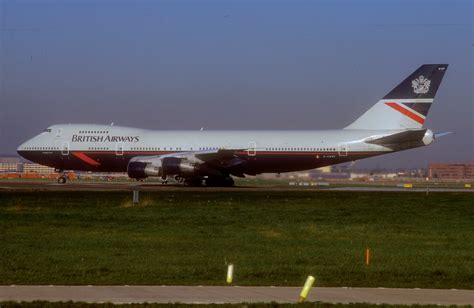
(273, 238)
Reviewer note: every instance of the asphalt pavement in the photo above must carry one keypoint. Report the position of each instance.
(232, 294)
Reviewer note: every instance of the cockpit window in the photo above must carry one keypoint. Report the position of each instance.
(47, 130)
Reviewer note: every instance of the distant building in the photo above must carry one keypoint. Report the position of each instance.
(37, 168)
(338, 172)
(10, 164)
(451, 171)
(9, 167)
(367, 175)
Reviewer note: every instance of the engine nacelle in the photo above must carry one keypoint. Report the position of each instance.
(178, 166)
(143, 168)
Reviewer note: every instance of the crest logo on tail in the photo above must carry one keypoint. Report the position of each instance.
(421, 85)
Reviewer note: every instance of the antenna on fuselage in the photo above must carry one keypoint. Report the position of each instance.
(112, 124)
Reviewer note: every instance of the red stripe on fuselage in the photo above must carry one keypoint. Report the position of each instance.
(406, 112)
(86, 158)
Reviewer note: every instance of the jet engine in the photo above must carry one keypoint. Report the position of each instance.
(179, 166)
(140, 168)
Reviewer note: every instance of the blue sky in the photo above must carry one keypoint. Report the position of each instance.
(231, 65)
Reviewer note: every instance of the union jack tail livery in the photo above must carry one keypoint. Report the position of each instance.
(407, 105)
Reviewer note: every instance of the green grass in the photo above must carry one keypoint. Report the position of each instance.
(273, 238)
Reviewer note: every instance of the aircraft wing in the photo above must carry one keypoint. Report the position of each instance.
(209, 156)
(223, 159)
(220, 160)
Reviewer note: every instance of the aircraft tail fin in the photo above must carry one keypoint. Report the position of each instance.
(407, 105)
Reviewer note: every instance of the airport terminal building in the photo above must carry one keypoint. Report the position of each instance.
(451, 171)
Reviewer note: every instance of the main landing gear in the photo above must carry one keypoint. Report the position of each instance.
(62, 177)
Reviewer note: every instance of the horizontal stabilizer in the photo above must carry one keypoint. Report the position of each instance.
(403, 137)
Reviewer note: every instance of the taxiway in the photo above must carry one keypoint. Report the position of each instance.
(223, 294)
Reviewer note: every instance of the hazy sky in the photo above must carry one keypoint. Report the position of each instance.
(232, 65)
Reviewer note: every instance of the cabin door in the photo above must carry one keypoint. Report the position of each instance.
(119, 149)
(252, 149)
(342, 149)
(65, 148)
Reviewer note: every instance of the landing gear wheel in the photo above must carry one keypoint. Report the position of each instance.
(228, 182)
(62, 179)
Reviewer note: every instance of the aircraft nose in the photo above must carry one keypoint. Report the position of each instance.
(23, 148)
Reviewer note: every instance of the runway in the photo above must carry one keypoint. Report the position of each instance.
(221, 294)
(399, 189)
(119, 186)
(150, 186)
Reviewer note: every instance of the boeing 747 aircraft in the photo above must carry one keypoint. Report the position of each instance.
(394, 123)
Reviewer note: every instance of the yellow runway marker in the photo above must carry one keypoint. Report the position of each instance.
(230, 273)
(367, 256)
(307, 286)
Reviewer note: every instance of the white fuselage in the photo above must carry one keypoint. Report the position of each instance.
(109, 148)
